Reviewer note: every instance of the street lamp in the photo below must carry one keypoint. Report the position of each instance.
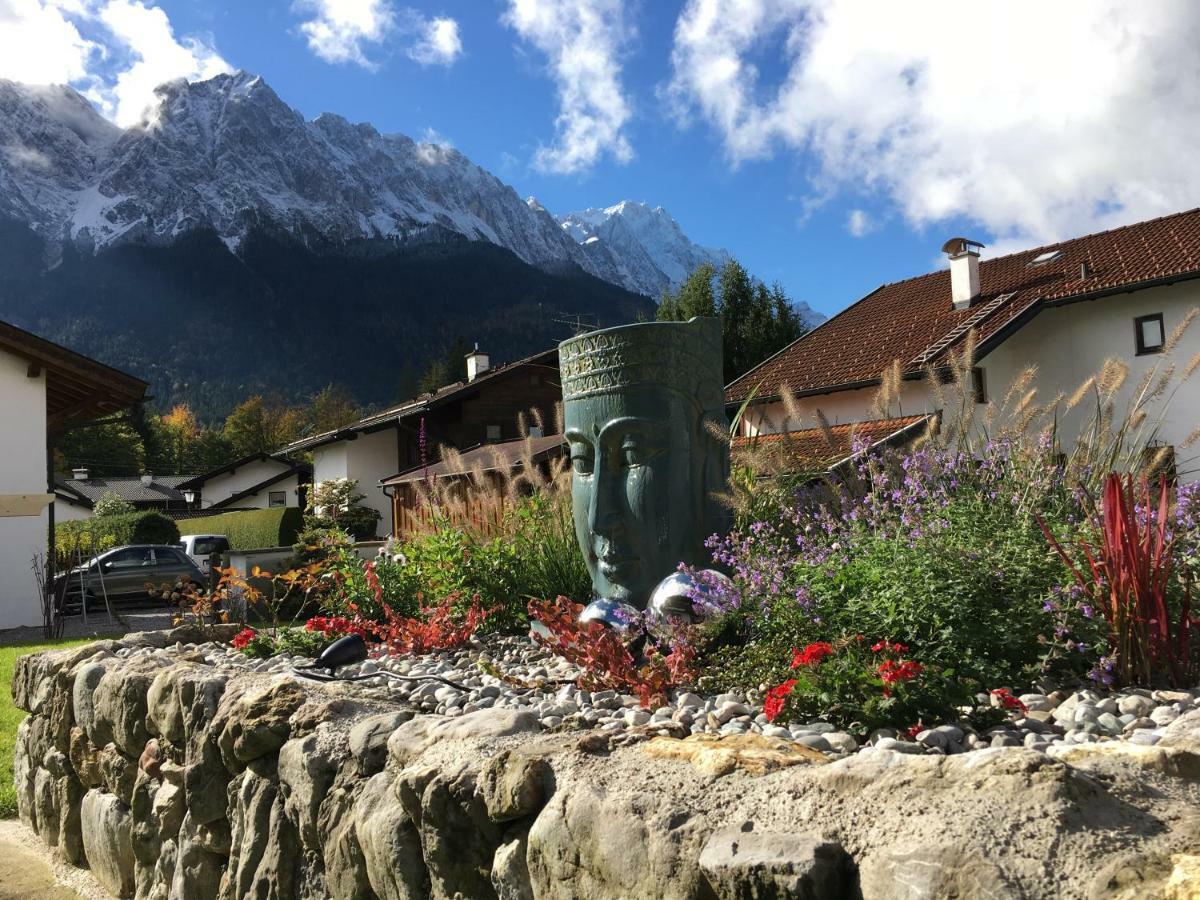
(189, 497)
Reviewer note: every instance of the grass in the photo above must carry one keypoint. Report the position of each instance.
(10, 716)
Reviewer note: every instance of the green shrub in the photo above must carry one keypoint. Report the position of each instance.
(100, 533)
(252, 529)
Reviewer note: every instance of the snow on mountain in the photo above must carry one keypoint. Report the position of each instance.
(638, 246)
(645, 250)
(228, 154)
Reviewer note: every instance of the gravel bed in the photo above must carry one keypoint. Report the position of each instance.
(537, 681)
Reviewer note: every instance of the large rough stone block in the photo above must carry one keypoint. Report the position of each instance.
(265, 845)
(87, 679)
(413, 738)
(107, 841)
(198, 869)
(510, 871)
(256, 724)
(205, 781)
(306, 772)
(744, 864)
(369, 738)
(391, 846)
(514, 785)
(458, 840)
(119, 710)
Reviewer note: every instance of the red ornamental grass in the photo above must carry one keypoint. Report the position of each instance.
(1127, 576)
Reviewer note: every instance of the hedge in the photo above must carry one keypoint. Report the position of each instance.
(251, 529)
(100, 533)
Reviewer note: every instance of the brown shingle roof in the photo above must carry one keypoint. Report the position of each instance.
(914, 320)
(507, 456)
(812, 450)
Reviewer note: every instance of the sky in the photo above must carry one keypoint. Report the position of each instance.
(829, 145)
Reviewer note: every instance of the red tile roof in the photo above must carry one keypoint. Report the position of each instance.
(914, 320)
(812, 450)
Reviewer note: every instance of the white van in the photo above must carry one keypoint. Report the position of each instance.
(201, 546)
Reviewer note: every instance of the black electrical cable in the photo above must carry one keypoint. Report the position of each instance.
(300, 670)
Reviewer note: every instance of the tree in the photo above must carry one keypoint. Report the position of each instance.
(332, 408)
(104, 450)
(262, 426)
(447, 369)
(756, 321)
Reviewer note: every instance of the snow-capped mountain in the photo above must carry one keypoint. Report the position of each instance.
(230, 155)
(638, 246)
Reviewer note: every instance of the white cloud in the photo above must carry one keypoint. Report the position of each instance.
(1035, 120)
(40, 45)
(340, 28)
(130, 49)
(439, 43)
(582, 40)
(859, 223)
(156, 57)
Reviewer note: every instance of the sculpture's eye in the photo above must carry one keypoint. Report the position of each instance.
(633, 454)
(581, 461)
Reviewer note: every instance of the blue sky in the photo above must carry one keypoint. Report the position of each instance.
(831, 146)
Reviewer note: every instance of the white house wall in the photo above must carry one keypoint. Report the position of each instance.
(70, 512)
(840, 408)
(1070, 343)
(368, 459)
(262, 499)
(225, 485)
(23, 449)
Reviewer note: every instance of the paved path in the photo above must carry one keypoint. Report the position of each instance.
(28, 872)
(124, 620)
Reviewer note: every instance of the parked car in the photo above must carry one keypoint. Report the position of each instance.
(123, 573)
(201, 547)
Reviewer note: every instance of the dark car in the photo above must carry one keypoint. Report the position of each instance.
(124, 572)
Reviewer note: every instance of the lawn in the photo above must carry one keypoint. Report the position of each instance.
(10, 716)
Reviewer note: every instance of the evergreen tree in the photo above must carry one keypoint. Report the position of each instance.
(104, 450)
(756, 321)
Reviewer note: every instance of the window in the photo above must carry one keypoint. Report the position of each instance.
(979, 385)
(1042, 258)
(1149, 333)
(277, 498)
(493, 432)
(132, 558)
(207, 546)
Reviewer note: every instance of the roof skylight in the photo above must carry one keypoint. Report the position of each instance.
(1042, 258)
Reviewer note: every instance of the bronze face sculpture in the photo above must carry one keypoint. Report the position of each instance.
(644, 408)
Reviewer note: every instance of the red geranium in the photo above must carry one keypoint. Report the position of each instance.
(811, 655)
(243, 638)
(896, 671)
(776, 696)
(1008, 701)
(886, 646)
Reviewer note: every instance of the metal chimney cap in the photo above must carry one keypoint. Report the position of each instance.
(956, 246)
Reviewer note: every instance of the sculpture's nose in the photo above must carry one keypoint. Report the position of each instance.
(604, 516)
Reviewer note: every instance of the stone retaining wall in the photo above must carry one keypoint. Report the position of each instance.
(171, 778)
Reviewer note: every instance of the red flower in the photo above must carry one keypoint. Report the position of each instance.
(243, 638)
(1008, 701)
(776, 696)
(811, 655)
(913, 730)
(886, 646)
(894, 671)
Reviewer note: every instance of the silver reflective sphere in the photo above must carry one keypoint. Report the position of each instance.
(617, 616)
(671, 602)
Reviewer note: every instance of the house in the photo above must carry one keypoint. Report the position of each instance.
(258, 481)
(485, 408)
(483, 462)
(817, 450)
(1064, 308)
(75, 497)
(45, 390)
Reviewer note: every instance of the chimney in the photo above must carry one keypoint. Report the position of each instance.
(964, 270)
(477, 363)
(147, 479)
(79, 473)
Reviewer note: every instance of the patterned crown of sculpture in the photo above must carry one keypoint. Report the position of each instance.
(683, 356)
